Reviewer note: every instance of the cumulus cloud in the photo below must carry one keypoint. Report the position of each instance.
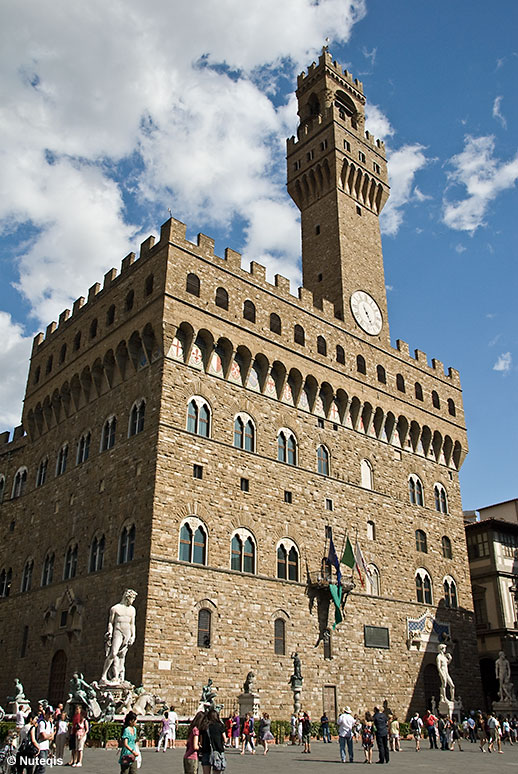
(403, 165)
(483, 176)
(377, 122)
(14, 354)
(503, 363)
(497, 113)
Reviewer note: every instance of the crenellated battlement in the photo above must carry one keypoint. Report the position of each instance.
(174, 232)
(326, 60)
(310, 128)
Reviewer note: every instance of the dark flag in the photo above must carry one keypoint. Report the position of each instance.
(332, 558)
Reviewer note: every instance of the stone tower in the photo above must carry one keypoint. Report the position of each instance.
(337, 177)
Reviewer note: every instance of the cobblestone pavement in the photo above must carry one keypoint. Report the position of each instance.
(286, 759)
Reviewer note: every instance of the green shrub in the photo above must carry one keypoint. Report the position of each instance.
(5, 727)
(404, 729)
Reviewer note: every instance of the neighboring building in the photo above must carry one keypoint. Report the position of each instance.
(191, 430)
(493, 562)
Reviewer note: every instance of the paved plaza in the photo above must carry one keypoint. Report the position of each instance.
(284, 759)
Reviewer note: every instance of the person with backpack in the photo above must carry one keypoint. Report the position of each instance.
(306, 733)
(345, 727)
(45, 737)
(213, 740)
(416, 725)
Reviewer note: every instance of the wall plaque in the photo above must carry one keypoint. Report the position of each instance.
(376, 637)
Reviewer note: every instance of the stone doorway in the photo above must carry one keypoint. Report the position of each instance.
(57, 679)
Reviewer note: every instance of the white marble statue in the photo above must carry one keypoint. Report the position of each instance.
(503, 675)
(118, 638)
(442, 661)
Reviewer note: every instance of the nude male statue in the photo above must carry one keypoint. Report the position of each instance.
(118, 638)
(442, 661)
(503, 675)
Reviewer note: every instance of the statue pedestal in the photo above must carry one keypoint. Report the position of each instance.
(22, 705)
(505, 707)
(249, 703)
(296, 687)
(446, 707)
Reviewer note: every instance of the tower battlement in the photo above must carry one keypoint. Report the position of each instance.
(326, 60)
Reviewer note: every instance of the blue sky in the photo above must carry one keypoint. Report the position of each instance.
(113, 113)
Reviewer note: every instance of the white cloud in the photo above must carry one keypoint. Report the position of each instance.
(403, 165)
(420, 196)
(483, 176)
(497, 113)
(503, 363)
(14, 354)
(377, 122)
(370, 55)
(460, 249)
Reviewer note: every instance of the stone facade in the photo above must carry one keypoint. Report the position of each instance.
(172, 348)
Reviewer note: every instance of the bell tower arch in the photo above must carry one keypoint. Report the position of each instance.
(337, 177)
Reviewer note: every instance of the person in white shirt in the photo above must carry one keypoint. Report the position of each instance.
(345, 734)
(61, 734)
(45, 735)
(173, 717)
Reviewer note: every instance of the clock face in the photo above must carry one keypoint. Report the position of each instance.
(366, 312)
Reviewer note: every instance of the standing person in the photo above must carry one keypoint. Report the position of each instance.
(472, 734)
(129, 748)
(29, 747)
(324, 728)
(190, 760)
(213, 745)
(293, 728)
(394, 734)
(236, 729)
(20, 723)
(163, 739)
(61, 734)
(430, 723)
(368, 737)
(416, 724)
(57, 712)
(173, 717)
(248, 734)
(81, 729)
(265, 732)
(480, 725)
(45, 736)
(306, 733)
(441, 727)
(345, 734)
(299, 727)
(380, 723)
(455, 737)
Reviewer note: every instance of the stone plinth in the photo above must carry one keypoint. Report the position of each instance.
(505, 707)
(249, 703)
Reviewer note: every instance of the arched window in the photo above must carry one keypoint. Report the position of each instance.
(450, 592)
(323, 460)
(83, 448)
(420, 541)
(77, 341)
(48, 570)
(27, 575)
(126, 544)
(244, 433)
(249, 311)
(287, 560)
(242, 551)
(321, 345)
(61, 464)
(436, 403)
(451, 408)
(148, 285)
(286, 447)
(446, 547)
(299, 337)
(372, 581)
(62, 354)
(221, 298)
(360, 364)
(198, 416)
(129, 301)
(371, 530)
(37, 375)
(48, 368)
(193, 541)
(41, 475)
(6, 578)
(418, 391)
(19, 483)
(381, 374)
(204, 627)
(97, 554)
(279, 637)
(70, 568)
(441, 501)
(2, 488)
(366, 474)
(423, 586)
(137, 416)
(108, 434)
(400, 383)
(275, 323)
(110, 315)
(340, 354)
(93, 329)
(192, 285)
(415, 490)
